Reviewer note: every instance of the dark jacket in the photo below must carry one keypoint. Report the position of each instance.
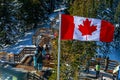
(39, 49)
(40, 58)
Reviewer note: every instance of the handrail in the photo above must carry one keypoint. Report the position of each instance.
(25, 57)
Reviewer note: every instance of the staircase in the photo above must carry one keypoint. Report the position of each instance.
(27, 51)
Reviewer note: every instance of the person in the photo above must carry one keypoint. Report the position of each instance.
(43, 52)
(47, 56)
(97, 68)
(39, 48)
(35, 61)
(35, 58)
(106, 63)
(101, 77)
(40, 61)
(47, 47)
(113, 76)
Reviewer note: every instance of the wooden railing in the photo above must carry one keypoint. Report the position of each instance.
(26, 50)
(111, 65)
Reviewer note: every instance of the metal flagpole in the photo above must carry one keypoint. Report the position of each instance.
(59, 47)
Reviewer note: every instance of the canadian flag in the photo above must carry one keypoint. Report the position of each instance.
(86, 29)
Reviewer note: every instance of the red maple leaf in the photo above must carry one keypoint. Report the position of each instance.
(86, 29)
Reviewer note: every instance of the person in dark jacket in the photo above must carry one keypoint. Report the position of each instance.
(106, 63)
(40, 61)
(39, 48)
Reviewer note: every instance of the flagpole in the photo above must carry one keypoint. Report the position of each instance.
(59, 47)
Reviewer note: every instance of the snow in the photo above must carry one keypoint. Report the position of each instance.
(25, 41)
(56, 12)
(116, 25)
(52, 16)
(63, 8)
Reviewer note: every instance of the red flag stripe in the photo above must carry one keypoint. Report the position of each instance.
(106, 32)
(67, 27)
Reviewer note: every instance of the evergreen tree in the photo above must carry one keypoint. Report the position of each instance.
(5, 26)
(116, 42)
(84, 8)
(35, 11)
